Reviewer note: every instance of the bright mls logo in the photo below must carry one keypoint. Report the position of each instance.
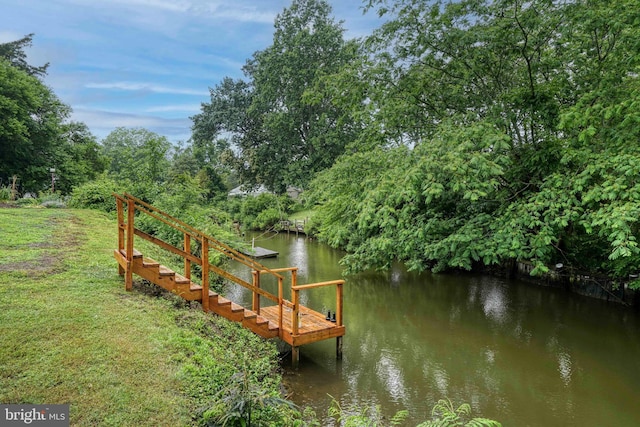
(34, 415)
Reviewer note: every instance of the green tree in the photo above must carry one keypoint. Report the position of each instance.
(139, 157)
(35, 135)
(80, 158)
(520, 126)
(31, 139)
(283, 123)
(14, 53)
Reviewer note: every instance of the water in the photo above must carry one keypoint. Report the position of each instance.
(522, 354)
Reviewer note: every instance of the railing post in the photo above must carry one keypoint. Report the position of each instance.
(120, 210)
(295, 313)
(339, 303)
(295, 319)
(280, 303)
(187, 262)
(205, 274)
(339, 296)
(131, 212)
(255, 306)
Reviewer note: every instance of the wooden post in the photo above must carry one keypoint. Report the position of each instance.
(339, 303)
(295, 356)
(187, 262)
(205, 274)
(295, 313)
(280, 303)
(255, 306)
(120, 210)
(339, 296)
(131, 212)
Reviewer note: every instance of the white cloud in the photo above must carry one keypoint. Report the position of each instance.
(238, 10)
(103, 122)
(187, 108)
(145, 87)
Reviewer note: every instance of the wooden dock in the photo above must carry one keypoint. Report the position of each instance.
(270, 315)
(258, 252)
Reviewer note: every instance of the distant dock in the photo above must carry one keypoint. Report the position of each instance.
(259, 253)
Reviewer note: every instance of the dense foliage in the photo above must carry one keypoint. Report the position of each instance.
(35, 134)
(497, 131)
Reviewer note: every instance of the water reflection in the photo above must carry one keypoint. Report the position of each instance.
(525, 355)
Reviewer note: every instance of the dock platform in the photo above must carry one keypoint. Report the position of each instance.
(259, 253)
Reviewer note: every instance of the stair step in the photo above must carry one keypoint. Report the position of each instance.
(181, 280)
(149, 263)
(223, 301)
(168, 279)
(136, 254)
(164, 271)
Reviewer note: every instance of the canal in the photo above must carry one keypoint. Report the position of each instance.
(522, 354)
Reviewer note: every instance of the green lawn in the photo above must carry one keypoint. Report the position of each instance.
(70, 333)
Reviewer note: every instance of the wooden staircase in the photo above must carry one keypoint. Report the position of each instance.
(288, 320)
(173, 282)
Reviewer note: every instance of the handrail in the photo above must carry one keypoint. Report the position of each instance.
(295, 290)
(127, 230)
(189, 233)
(223, 248)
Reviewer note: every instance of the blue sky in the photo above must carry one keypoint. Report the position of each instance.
(149, 63)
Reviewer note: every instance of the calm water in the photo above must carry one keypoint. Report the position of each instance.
(518, 353)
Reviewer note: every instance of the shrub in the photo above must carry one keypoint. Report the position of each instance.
(27, 201)
(5, 193)
(59, 204)
(267, 219)
(95, 195)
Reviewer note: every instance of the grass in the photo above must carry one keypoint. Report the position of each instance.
(302, 215)
(70, 333)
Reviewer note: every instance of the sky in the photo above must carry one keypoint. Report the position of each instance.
(149, 63)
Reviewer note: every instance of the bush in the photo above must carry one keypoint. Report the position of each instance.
(59, 204)
(48, 199)
(27, 201)
(267, 219)
(95, 195)
(259, 212)
(5, 194)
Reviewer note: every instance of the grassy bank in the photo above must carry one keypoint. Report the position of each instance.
(69, 333)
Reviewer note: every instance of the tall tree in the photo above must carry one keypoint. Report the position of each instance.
(80, 159)
(284, 125)
(139, 157)
(30, 130)
(15, 53)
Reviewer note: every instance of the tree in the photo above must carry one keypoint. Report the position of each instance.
(14, 53)
(139, 157)
(224, 122)
(30, 131)
(519, 121)
(80, 159)
(284, 125)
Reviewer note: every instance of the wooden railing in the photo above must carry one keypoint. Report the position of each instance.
(127, 231)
